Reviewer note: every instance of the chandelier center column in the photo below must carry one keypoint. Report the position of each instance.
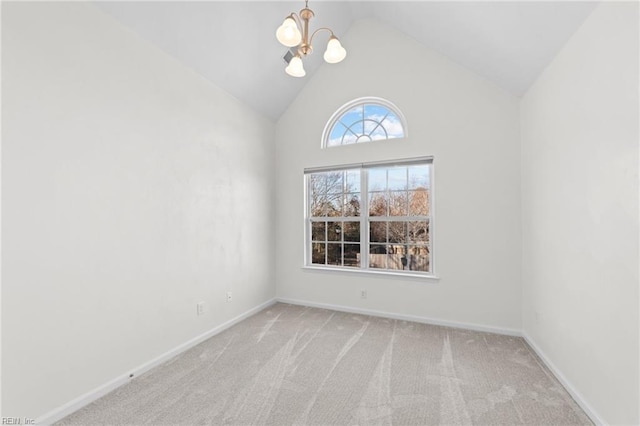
(305, 47)
(294, 31)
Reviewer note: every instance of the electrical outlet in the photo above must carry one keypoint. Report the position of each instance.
(363, 294)
(200, 308)
(229, 296)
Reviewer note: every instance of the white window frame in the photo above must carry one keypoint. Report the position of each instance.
(364, 220)
(357, 102)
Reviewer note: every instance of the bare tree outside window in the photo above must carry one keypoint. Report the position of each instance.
(399, 210)
(334, 209)
(392, 230)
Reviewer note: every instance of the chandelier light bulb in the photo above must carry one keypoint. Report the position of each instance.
(335, 52)
(295, 67)
(288, 33)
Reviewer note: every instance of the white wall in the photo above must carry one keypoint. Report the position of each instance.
(471, 128)
(580, 212)
(132, 189)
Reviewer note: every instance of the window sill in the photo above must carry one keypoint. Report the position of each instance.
(356, 271)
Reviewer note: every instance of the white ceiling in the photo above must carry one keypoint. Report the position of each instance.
(232, 43)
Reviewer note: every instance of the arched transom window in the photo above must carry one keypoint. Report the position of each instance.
(364, 120)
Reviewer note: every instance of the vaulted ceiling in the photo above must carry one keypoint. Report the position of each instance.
(233, 45)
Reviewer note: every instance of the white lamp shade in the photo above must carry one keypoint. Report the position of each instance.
(335, 52)
(295, 68)
(288, 33)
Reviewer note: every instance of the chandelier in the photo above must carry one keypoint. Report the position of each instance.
(294, 31)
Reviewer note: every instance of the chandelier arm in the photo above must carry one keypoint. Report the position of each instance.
(297, 20)
(318, 30)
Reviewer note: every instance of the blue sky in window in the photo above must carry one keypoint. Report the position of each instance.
(351, 116)
(359, 121)
(377, 179)
(399, 178)
(419, 177)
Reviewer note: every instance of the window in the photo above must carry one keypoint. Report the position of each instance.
(371, 217)
(364, 120)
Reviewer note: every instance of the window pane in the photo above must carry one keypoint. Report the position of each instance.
(352, 255)
(419, 202)
(398, 232)
(317, 194)
(370, 125)
(349, 138)
(352, 180)
(378, 232)
(351, 116)
(334, 205)
(379, 133)
(418, 232)
(334, 231)
(352, 205)
(335, 182)
(377, 204)
(397, 178)
(419, 177)
(318, 231)
(335, 137)
(395, 257)
(351, 231)
(393, 125)
(377, 179)
(377, 256)
(419, 258)
(317, 253)
(334, 254)
(318, 205)
(317, 183)
(375, 112)
(398, 203)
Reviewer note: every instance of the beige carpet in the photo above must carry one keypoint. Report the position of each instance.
(291, 365)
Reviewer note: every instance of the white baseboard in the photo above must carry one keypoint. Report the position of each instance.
(414, 318)
(595, 418)
(74, 405)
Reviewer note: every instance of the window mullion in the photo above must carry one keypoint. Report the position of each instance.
(364, 219)
(308, 247)
(412, 243)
